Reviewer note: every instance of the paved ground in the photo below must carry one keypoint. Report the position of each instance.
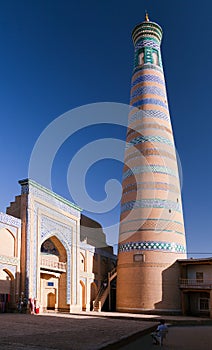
(179, 338)
(32, 332)
(93, 331)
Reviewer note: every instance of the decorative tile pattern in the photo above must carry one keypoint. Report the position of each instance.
(151, 230)
(148, 101)
(9, 260)
(146, 78)
(148, 126)
(150, 203)
(147, 43)
(148, 145)
(51, 227)
(144, 90)
(10, 220)
(138, 115)
(150, 152)
(151, 185)
(139, 69)
(142, 139)
(152, 245)
(144, 220)
(149, 169)
(45, 218)
(40, 191)
(156, 225)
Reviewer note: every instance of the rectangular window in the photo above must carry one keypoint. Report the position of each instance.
(50, 284)
(203, 304)
(138, 257)
(199, 277)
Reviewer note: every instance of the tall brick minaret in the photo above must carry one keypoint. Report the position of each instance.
(152, 233)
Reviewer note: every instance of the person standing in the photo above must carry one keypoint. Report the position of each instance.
(160, 333)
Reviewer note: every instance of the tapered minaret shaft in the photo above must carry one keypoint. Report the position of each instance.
(152, 233)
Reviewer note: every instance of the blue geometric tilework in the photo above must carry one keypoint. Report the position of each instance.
(149, 66)
(148, 126)
(52, 221)
(142, 139)
(139, 114)
(152, 245)
(9, 220)
(9, 260)
(151, 203)
(150, 152)
(146, 78)
(149, 169)
(155, 230)
(154, 90)
(151, 186)
(158, 220)
(151, 101)
(147, 43)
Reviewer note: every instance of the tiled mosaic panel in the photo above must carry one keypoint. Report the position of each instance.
(152, 245)
(10, 220)
(152, 139)
(139, 114)
(149, 169)
(150, 203)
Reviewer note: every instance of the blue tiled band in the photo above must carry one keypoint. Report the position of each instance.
(149, 169)
(151, 203)
(170, 247)
(147, 77)
(141, 139)
(140, 114)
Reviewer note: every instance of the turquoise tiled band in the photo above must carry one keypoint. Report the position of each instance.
(152, 245)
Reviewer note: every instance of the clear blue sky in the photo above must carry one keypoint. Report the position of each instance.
(57, 55)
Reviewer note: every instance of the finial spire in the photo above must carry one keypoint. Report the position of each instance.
(146, 16)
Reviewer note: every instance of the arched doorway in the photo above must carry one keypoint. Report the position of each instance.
(82, 296)
(53, 275)
(7, 246)
(7, 297)
(93, 294)
(51, 301)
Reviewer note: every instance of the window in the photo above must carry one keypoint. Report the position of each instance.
(82, 262)
(138, 257)
(141, 58)
(50, 284)
(204, 304)
(199, 277)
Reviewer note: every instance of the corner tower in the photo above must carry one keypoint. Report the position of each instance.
(152, 235)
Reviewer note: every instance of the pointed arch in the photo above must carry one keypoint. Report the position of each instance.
(93, 294)
(82, 295)
(7, 246)
(10, 274)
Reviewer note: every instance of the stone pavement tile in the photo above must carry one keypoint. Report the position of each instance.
(68, 332)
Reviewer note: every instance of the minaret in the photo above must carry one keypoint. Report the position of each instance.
(152, 235)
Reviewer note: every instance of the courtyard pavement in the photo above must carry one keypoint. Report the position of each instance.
(92, 331)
